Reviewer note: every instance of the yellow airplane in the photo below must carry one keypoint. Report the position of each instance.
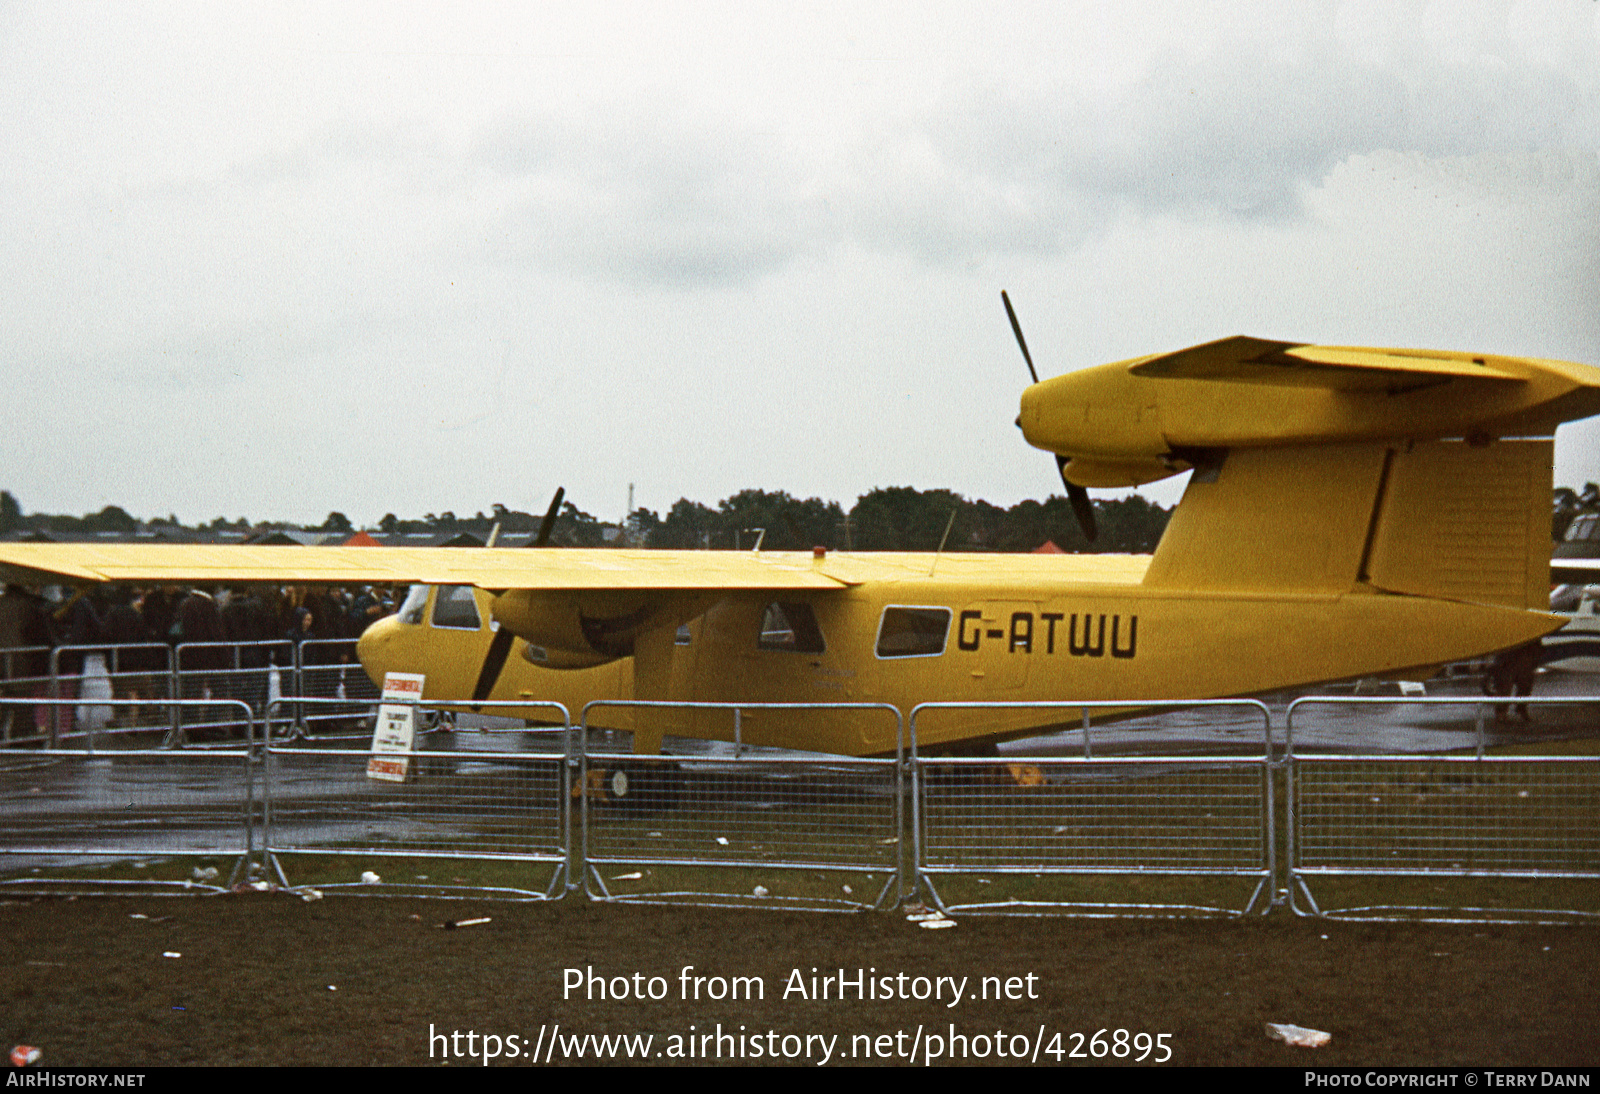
(1352, 512)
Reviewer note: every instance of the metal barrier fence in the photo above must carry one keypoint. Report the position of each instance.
(102, 672)
(794, 831)
(72, 808)
(232, 670)
(26, 672)
(326, 668)
(1011, 829)
(1386, 835)
(254, 673)
(1100, 827)
(504, 802)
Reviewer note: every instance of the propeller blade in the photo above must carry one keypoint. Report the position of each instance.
(1082, 507)
(548, 524)
(1016, 328)
(500, 645)
(493, 662)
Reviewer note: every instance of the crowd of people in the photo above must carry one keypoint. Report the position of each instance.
(64, 644)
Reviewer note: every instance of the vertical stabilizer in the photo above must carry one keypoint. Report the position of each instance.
(1273, 520)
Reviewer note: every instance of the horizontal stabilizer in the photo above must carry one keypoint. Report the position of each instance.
(1136, 421)
(1257, 361)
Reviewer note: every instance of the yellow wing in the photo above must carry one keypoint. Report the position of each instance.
(488, 568)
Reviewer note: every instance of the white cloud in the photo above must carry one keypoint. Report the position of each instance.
(734, 245)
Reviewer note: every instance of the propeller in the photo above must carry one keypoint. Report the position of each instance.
(1016, 328)
(1082, 507)
(548, 524)
(500, 645)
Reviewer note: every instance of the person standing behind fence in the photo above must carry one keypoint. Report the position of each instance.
(366, 609)
(246, 623)
(198, 621)
(77, 624)
(159, 607)
(1512, 674)
(131, 668)
(299, 631)
(24, 629)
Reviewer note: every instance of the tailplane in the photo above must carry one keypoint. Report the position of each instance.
(1325, 469)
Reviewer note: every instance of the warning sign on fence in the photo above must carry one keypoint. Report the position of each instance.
(397, 722)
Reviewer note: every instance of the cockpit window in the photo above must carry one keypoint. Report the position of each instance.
(454, 606)
(913, 632)
(416, 600)
(791, 626)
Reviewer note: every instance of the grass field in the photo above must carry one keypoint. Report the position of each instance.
(270, 979)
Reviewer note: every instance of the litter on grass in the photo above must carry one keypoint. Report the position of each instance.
(1299, 1036)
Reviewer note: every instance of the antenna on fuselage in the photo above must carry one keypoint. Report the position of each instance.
(949, 524)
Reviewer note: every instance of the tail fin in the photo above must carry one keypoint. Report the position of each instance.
(1442, 519)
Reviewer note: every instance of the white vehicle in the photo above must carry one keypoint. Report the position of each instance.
(1576, 647)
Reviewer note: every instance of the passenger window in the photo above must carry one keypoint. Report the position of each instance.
(416, 600)
(791, 626)
(913, 632)
(454, 606)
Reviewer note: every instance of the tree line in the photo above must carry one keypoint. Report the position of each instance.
(898, 518)
(895, 518)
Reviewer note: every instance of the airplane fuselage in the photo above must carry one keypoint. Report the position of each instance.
(983, 628)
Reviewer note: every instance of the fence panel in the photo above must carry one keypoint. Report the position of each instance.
(1443, 836)
(72, 808)
(92, 673)
(248, 672)
(731, 825)
(1098, 833)
(327, 668)
(505, 800)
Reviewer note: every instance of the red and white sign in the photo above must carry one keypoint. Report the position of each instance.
(396, 728)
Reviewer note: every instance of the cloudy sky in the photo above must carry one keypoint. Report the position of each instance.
(272, 260)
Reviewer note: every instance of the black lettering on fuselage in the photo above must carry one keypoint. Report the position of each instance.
(1022, 631)
(1090, 641)
(1050, 619)
(963, 639)
(1084, 649)
(1133, 636)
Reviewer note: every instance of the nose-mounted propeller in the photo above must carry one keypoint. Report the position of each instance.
(500, 645)
(1082, 507)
